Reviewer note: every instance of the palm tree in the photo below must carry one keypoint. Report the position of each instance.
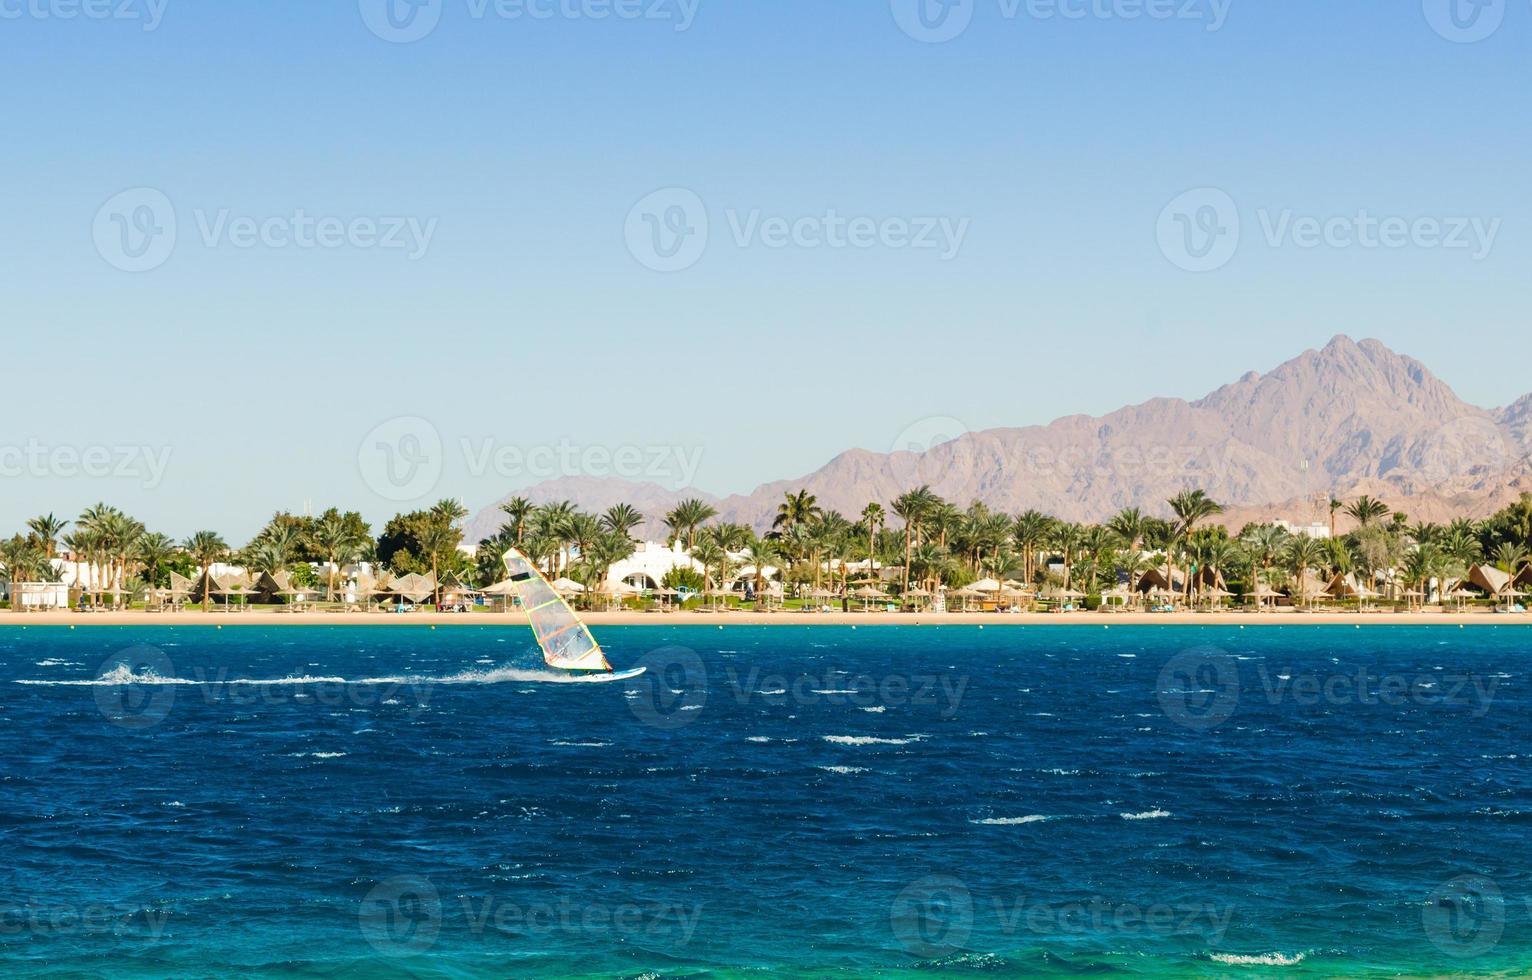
(206, 548)
(1189, 506)
(1095, 543)
(47, 528)
(82, 544)
(1460, 543)
(1509, 556)
(449, 510)
(1364, 510)
(1263, 545)
(518, 509)
(687, 516)
(1128, 524)
(1218, 554)
(941, 518)
(622, 519)
(873, 518)
(796, 508)
(551, 524)
(268, 556)
(1335, 505)
(731, 539)
(607, 552)
(120, 534)
(1030, 532)
(910, 507)
(930, 561)
(437, 538)
(709, 555)
(584, 530)
(1303, 553)
(152, 552)
(23, 561)
(763, 552)
(1066, 539)
(336, 541)
(1421, 565)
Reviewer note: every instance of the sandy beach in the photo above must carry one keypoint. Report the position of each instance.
(265, 617)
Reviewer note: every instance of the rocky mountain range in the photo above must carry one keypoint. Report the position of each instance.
(1352, 418)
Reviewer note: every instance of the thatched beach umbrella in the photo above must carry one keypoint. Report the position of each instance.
(1262, 593)
(868, 594)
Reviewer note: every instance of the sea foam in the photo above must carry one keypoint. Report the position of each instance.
(1262, 959)
(870, 740)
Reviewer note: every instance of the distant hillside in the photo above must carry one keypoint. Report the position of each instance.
(1347, 419)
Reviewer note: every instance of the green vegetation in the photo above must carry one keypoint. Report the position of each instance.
(933, 544)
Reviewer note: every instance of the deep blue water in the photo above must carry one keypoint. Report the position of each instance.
(1292, 800)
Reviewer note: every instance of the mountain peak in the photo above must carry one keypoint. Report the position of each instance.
(1354, 413)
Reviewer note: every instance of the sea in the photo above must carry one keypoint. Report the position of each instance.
(788, 800)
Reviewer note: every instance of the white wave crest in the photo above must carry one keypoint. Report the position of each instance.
(1145, 815)
(1263, 959)
(119, 676)
(123, 675)
(870, 740)
(1012, 821)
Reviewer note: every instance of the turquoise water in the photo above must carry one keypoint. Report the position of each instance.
(805, 801)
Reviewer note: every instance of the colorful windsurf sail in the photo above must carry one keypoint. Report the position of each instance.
(565, 641)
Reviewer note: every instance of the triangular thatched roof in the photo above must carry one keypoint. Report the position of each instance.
(1489, 578)
(414, 587)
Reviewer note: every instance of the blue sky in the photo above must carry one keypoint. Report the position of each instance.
(488, 281)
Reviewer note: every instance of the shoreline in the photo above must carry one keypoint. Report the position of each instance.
(599, 619)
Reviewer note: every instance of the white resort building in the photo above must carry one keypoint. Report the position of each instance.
(651, 561)
(1318, 529)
